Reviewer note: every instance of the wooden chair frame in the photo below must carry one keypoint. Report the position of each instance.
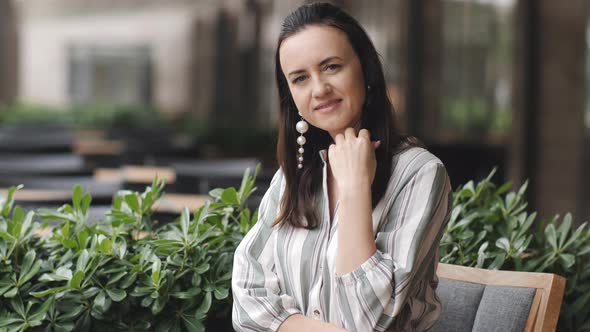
(546, 305)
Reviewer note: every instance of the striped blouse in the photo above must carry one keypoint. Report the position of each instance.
(279, 271)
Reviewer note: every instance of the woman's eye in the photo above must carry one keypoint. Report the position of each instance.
(298, 79)
(332, 67)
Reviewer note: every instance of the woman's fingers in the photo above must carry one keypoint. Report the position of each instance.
(339, 139)
(364, 133)
(349, 133)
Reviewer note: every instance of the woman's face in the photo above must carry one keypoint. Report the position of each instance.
(325, 78)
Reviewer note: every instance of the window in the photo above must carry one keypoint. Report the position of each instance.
(110, 75)
(476, 69)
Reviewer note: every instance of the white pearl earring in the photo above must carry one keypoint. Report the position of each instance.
(301, 128)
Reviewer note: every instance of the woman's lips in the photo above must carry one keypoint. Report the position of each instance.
(328, 106)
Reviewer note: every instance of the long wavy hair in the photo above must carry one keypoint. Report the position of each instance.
(299, 201)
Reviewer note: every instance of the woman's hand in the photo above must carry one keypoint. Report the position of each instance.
(352, 159)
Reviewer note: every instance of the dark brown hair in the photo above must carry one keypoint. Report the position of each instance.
(303, 185)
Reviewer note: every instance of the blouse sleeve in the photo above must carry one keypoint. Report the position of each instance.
(373, 296)
(258, 302)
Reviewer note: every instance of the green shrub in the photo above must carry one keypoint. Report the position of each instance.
(126, 273)
(94, 116)
(122, 273)
(490, 228)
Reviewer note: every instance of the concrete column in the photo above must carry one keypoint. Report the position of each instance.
(8, 52)
(424, 24)
(549, 108)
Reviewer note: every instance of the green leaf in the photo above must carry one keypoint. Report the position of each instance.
(18, 215)
(133, 202)
(193, 324)
(129, 280)
(509, 201)
(31, 273)
(6, 236)
(11, 293)
(27, 263)
(147, 301)
(202, 268)
(122, 248)
(184, 222)
(551, 236)
(116, 277)
(156, 270)
(17, 305)
(83, 259)
(503, 243)
(7, 205)
(523, 188)
(82, 237)
(90, 292)
(77, 196)
(28, 220)
(70, 244)
(244, 184)
(116, 295)
(481, 255)
(51, 215)
(159, 305)
(6, 288)
(65, 230)
(42, 310)
(86, 203)
(64, 273)
(206, 304)
(100, 299)
(230, 196)
(48, 291)
(575, 237)
(216, 193)
(191, 293)
(567, 260)
(564, 229)
(221, 293)
(5, 321)
(498, 262)
(504, 188)
(105, 246)
(76, 280)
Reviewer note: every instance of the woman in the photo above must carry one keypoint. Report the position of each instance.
(348, 232)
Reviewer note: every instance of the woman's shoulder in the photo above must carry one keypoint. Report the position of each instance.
(411, 160)
(276, 183)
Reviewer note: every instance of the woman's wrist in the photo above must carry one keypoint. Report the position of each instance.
(353, 189)
(298, 322)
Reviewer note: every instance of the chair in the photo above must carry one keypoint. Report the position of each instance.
(489, 300)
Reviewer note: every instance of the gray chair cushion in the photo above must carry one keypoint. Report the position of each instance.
(475, 307)
(503, 309)
(460, 301)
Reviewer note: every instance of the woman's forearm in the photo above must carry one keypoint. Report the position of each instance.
(356, 242)
(298, 322)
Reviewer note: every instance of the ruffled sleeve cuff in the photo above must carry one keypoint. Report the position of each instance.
(357, 274)
(274, 326)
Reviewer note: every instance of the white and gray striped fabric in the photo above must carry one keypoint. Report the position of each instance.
(279, 271)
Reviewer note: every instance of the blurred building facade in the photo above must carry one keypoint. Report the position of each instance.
(483, 82)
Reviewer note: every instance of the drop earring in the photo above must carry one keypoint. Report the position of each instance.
(301, 128)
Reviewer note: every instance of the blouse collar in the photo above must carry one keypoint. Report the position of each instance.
(324, 155)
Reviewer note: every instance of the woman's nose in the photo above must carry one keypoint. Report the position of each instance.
(321, 88)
